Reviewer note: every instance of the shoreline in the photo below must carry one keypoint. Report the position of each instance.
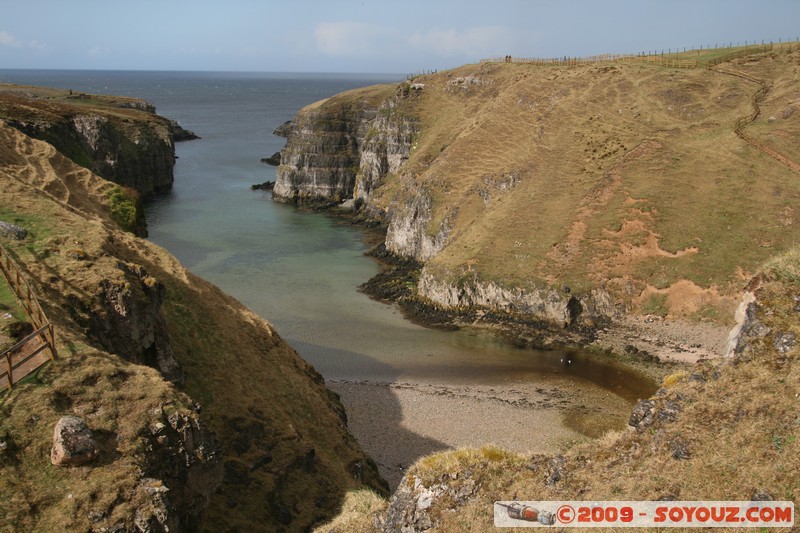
(524, 418)
(647, 340)
(398, 423)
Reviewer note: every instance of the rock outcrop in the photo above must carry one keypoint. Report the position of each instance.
(126, 319)
(343, 148)
(184, 455)
(558, 307)
(408, 232)
(72, 443)
(12, 231)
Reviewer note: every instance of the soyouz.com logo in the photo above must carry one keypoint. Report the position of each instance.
(643, 514)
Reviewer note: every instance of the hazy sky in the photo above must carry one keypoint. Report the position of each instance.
(398, 36)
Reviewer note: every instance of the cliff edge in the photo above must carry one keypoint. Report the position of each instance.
(120, 139)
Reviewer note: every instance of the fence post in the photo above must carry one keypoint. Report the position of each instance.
(52, 341)
(10, 375)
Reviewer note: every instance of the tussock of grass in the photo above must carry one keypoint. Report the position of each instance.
(673, 379)
(357, 514)
(431, 468)
(785, 267)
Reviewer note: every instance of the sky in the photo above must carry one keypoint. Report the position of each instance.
(370, 36)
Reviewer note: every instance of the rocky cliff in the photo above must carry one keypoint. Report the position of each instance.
(120, 139)
(205, 418)
(568, 194)
(343, 148)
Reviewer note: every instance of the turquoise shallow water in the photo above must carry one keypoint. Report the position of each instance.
(301, 270)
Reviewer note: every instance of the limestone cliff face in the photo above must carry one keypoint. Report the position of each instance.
(558, 307)
(343, 148)
(386, 147)
(408, 231)
(140, 157)
(119, 139)
(321, 157)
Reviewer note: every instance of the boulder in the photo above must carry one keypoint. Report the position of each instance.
(12, 231)
(72, 443)
(266, 186)
(274, 159)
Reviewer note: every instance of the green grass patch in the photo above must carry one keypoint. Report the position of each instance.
(711, 313)
(126, 207)
(656, 304)
(9, 303)
(39, 229)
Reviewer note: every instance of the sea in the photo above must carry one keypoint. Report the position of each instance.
(301, 270)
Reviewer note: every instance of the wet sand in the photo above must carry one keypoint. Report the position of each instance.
(397, 423)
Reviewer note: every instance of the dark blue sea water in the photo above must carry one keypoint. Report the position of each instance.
(299, 270)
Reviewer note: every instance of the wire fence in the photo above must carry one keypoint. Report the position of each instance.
(703, 57)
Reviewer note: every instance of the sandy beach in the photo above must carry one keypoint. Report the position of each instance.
(397, 423)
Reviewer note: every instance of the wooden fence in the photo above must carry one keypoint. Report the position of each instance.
(739, 53)
(25, 357)
(742, 123)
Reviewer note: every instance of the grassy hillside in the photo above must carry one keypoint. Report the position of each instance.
(623, 176)
(286, 456)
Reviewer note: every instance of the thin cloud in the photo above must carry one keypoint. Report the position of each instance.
(37, 46)
(475, 42)
(6, 39)
(351, 38)
(96, 51)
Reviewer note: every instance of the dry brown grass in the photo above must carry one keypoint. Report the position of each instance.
(357, 514)
(626, 176)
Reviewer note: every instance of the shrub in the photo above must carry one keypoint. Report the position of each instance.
(125, 208)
